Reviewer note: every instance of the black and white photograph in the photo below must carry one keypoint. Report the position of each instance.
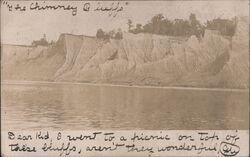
(125, 65)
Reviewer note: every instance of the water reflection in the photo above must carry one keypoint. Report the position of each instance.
(75, 107)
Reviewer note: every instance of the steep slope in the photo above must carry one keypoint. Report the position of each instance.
(237, 69)
(139, 59)
(71, 46)
(230, 69)
(29, 63)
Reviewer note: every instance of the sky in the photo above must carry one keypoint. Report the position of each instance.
(22, 27)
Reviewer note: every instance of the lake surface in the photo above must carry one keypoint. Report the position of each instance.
(81, 106)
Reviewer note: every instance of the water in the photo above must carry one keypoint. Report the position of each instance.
(81, 106)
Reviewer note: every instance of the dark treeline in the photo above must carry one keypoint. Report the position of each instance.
(113, 34)
(181, 27)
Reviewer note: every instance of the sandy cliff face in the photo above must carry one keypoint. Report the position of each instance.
(237, 68)
(142, 59)
(230, 68)
(29, 63)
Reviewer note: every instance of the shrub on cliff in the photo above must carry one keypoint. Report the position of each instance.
(100, 33)
(42, 42)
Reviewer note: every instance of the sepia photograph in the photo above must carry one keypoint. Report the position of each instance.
(125, 65)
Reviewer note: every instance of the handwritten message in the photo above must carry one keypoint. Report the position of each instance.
(129, 143)
(112, 8)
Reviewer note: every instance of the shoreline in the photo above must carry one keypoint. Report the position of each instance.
(14, 82)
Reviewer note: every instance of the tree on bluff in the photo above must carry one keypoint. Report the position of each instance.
(130, 25)
(226, 27)
(42, 42)
(100, 33)
(118, 35)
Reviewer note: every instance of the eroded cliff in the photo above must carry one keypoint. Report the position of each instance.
(142, 59)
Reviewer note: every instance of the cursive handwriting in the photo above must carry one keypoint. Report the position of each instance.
(153, 143)
(112, 8)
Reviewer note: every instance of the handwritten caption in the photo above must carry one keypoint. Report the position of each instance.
(129, 143)
(112, 8)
